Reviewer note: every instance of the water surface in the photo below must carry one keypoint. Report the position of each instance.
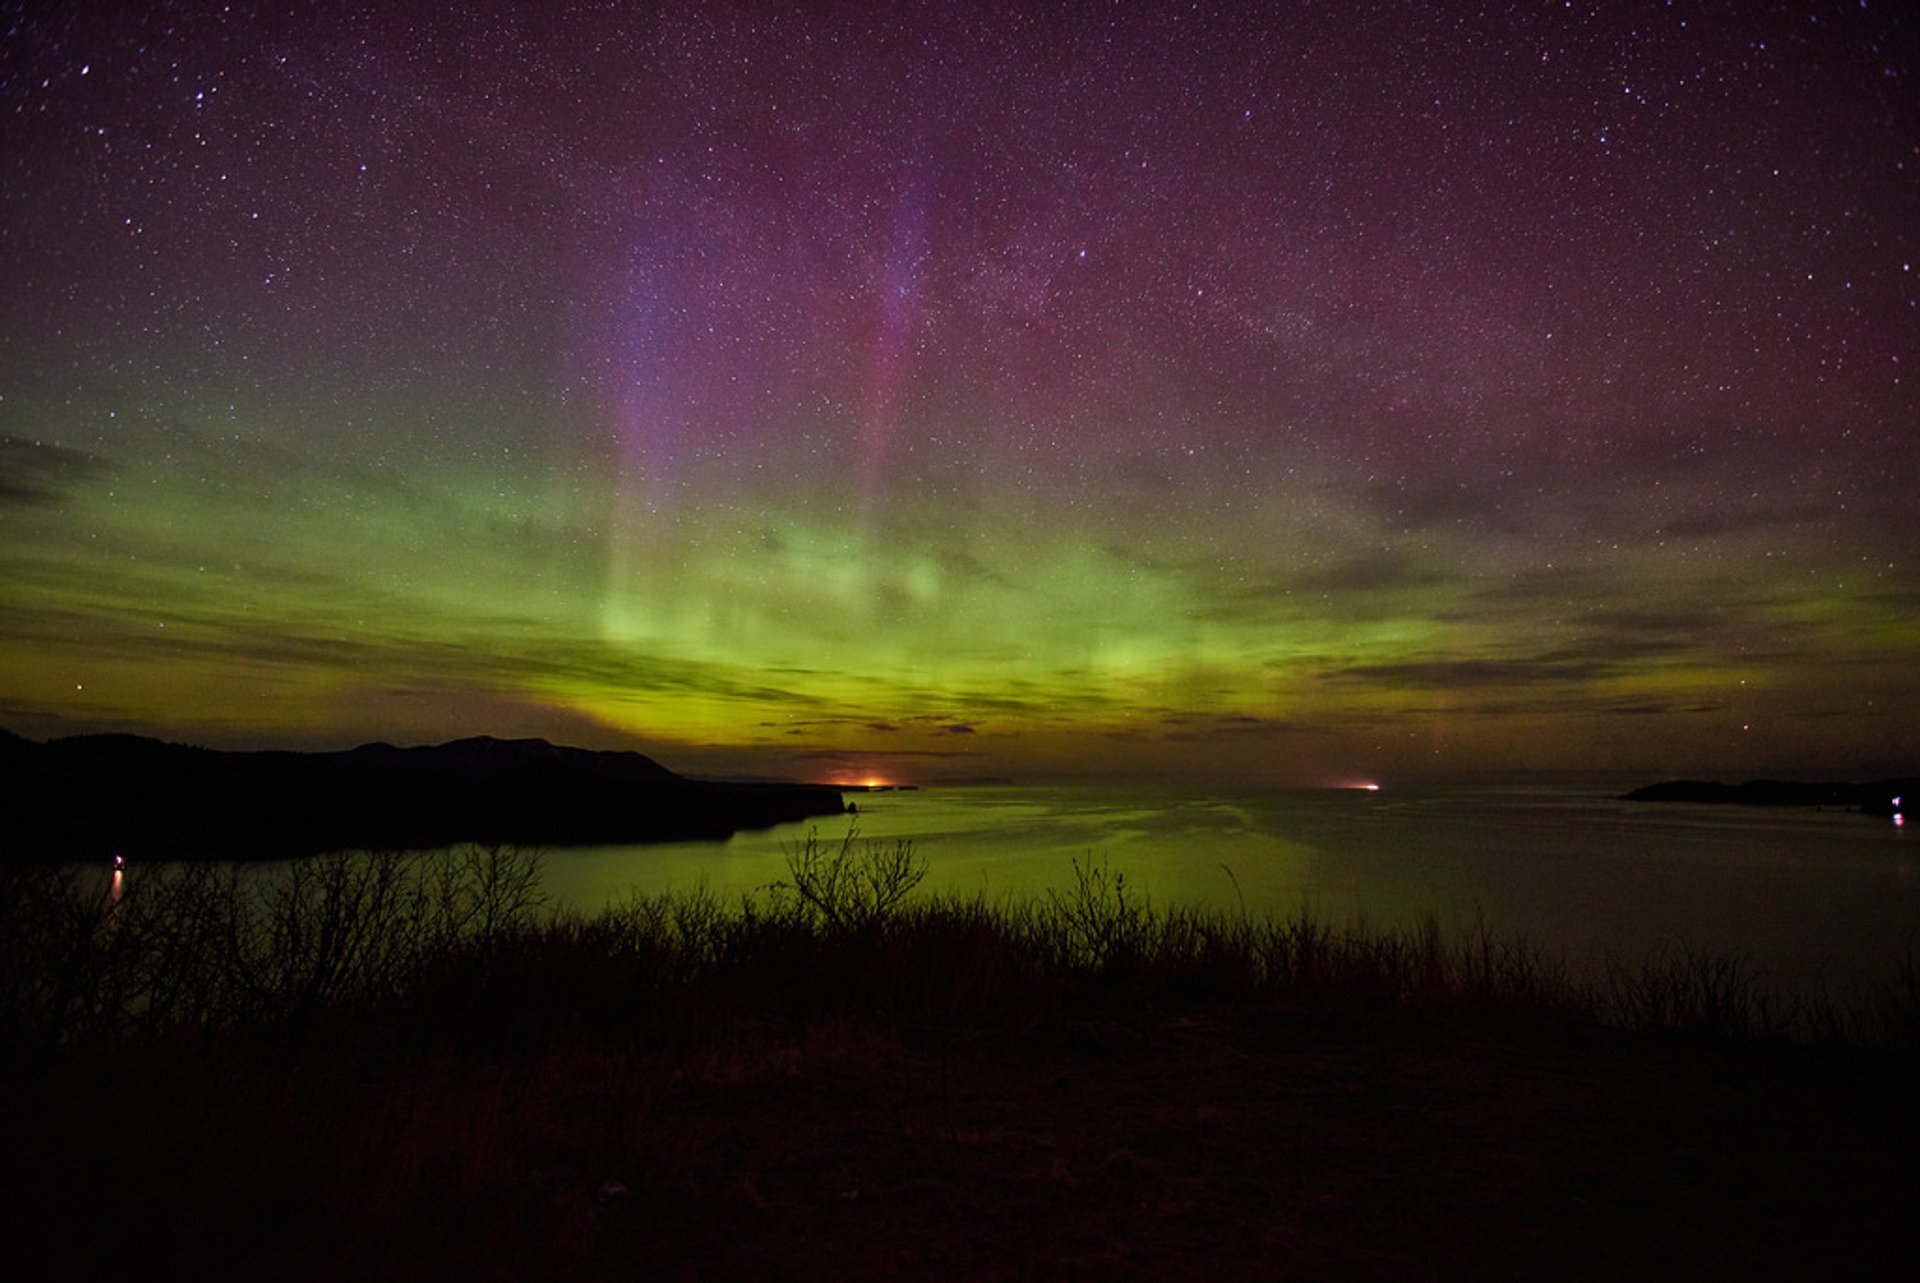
(1807, 898)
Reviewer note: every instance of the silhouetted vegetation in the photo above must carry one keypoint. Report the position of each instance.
(407, 1065)
(461, 948)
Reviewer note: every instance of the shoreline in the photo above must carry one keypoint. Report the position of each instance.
(836, 1081)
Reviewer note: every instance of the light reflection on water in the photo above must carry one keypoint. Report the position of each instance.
(1805, 897)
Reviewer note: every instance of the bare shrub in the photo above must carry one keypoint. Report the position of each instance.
(461, 946)
(477, 896)
(51, 963)
(1688, 990)
(1100, 920)
(853, 884)
(185, 926)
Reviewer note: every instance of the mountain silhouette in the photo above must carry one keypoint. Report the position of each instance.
(91, 796)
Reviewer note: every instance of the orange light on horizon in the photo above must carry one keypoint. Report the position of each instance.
(848, 780)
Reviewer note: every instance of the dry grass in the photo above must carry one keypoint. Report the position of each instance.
(460, 950)
(403, 1066)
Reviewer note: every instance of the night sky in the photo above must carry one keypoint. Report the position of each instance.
(1327, 392)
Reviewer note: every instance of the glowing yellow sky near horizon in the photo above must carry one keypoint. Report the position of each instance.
(260, 595)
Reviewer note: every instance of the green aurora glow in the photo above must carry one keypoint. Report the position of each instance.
(234, 589)
(883, 446)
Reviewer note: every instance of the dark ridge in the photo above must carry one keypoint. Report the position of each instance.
(91, 796)
(1876, 798)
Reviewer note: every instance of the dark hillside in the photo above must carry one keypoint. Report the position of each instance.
(92, 796)
(1875, 798)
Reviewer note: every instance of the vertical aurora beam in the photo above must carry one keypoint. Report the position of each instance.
(646, 422)
(898, 314)
(684, 373)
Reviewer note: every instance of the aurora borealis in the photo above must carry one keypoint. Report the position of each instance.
(1299, 393)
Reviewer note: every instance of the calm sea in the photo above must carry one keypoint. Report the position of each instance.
(1806, 898)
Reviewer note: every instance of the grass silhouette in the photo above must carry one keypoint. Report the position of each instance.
(462, 946)
(384, 1065)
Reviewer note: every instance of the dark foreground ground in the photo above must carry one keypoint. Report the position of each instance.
(1167, 1147)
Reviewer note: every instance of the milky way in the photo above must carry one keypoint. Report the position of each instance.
(960, 390)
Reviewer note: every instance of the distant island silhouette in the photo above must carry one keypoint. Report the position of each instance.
(1875, 798)
(92, 796)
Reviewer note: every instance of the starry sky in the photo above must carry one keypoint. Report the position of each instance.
(1288, 393)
